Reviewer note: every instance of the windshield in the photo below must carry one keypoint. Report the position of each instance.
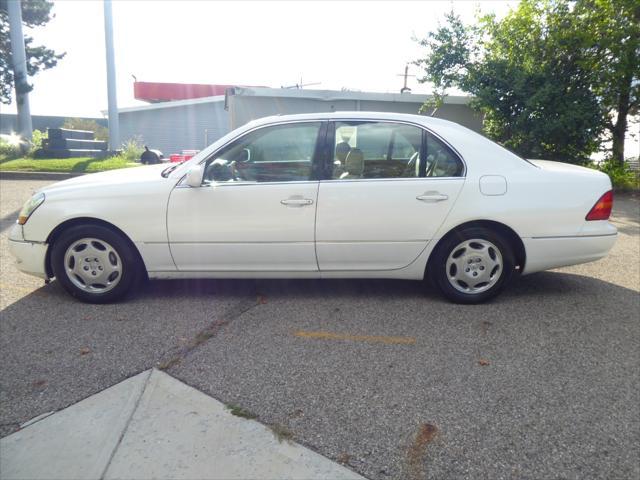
(203, 154)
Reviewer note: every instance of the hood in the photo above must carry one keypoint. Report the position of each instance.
(143, 174)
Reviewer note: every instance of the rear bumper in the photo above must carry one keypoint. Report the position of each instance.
(555, 252)
(29, 256)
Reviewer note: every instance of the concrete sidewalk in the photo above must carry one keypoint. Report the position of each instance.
(153, 426)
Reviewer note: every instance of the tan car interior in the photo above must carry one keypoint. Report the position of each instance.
(353, 165)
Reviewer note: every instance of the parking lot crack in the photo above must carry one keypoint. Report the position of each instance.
(208, 332)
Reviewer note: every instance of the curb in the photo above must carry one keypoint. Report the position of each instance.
(53, 176)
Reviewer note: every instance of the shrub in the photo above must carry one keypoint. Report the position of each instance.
(132, 149)
(36, 142)
(622, 177)
(8, 150)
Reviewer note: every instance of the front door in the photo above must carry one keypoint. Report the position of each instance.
(391, 187)
(256, 208)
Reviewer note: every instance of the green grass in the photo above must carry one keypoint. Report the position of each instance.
(241, 412)
(281, 432)
(64, 165)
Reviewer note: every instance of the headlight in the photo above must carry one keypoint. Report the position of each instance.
(29, 207)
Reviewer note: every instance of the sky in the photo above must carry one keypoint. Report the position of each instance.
(356, 45)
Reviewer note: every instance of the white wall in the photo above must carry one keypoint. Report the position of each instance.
(173, 129)
(185, 127)
(246, 108)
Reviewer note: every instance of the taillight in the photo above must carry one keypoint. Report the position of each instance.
(602, 209)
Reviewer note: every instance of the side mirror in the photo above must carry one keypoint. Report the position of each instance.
(194, 176)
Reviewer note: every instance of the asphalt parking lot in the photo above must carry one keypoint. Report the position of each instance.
(389, 380)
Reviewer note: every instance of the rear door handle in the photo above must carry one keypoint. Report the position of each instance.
(296, 202)
(432, 197)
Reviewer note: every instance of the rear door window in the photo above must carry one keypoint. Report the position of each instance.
(376, 150)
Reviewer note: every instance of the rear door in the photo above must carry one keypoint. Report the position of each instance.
(388, 188)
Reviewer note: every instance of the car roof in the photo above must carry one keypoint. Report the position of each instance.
(466, 142)
(359, 115)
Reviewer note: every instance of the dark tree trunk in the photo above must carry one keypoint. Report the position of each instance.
(620, 127)
(618, 134)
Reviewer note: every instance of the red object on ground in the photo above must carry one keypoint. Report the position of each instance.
(188, 154)
(182, 156)
(165, 92)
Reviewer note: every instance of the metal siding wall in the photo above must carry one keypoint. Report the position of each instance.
(461, 114)
(249, 108)
(173, 129)
(396, 107)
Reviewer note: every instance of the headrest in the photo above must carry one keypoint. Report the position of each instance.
(342, 150)
(354, 163)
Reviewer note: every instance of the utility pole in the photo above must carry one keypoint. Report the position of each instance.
(405, 89)
(25, 128)
(300, 85)
(114, 124)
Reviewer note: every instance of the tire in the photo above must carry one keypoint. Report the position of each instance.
(472, 265)
(95, 264)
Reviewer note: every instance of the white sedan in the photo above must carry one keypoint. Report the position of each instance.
(335, 195)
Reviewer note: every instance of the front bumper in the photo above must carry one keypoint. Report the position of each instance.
(30, 256)
(555, 252)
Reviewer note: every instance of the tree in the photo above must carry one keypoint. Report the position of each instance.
(34, 13)
(612, 53)
(538, 75)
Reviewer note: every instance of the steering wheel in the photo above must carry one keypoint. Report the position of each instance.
(410, 169)
(432, 167)
(221, 170)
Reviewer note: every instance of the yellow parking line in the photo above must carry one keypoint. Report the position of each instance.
(356, 338)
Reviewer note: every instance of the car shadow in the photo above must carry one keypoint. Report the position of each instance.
(8, 220)
(535, 285)
(57, 350)
(548, 283)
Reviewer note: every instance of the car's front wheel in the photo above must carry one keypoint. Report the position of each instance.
(472, 265)
(94, 263)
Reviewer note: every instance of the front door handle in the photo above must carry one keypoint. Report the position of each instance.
(432, 197)
(296, 201)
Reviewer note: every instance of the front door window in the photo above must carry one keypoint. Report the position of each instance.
(280, 153)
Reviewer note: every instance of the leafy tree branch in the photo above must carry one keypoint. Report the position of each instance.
(35, 13)
(551, 78)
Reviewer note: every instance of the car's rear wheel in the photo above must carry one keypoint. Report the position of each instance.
(472, 265)
(94, 263)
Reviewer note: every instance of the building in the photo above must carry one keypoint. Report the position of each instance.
(176, 125)
(176, 122)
